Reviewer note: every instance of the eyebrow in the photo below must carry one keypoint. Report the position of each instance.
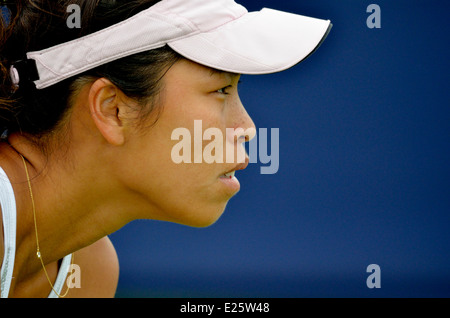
(214, 71)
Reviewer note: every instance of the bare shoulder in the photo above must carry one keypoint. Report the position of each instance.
(99, 270)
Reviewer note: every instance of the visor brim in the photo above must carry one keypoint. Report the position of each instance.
(261, 42)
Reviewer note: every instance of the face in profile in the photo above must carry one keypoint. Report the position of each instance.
(194, 194)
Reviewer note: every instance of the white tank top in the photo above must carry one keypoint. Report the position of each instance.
(8, 205)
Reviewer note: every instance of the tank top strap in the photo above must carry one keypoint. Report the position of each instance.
(9, 217)
(8, 205)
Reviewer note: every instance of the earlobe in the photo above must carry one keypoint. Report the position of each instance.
(104, 105)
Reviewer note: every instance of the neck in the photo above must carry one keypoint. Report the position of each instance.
(74, 207)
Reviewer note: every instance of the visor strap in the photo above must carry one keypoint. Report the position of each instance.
(23, 71)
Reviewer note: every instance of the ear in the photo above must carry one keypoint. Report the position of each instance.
(106, 110)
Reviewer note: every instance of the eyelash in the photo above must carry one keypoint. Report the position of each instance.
(223, 89)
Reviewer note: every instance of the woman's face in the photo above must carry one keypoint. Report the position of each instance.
(193, 99)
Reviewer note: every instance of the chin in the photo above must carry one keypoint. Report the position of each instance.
(204, 218)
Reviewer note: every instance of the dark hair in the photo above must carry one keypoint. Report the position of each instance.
(38, 24)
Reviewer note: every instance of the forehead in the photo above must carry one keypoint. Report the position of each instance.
(188, 69)
(216, 72)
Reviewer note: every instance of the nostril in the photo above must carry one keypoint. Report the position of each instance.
(250, 133)
(245, 135)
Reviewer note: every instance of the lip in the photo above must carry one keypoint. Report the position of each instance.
(232, 183)
(240, 166)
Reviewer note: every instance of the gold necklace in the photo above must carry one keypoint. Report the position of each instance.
(38, 251)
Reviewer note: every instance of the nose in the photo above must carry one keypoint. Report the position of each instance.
(244, 121)
(242, 129)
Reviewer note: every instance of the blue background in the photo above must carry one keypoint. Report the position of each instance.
(363, 179)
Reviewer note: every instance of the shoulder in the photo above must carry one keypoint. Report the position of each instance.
(98, 270)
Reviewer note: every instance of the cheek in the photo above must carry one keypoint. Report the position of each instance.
(186, 193)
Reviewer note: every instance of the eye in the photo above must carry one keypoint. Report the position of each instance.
(224, 90)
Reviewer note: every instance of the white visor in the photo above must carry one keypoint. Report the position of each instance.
(220, 34)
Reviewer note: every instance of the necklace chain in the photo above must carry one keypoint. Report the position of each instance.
(38, 251)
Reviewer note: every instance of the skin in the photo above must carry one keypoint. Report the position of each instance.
(111, 171)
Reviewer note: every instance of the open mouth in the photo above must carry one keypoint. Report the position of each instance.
(229, 179)
(228, 175)
(231, 182)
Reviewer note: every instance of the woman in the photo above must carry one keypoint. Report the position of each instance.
(88, 117)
